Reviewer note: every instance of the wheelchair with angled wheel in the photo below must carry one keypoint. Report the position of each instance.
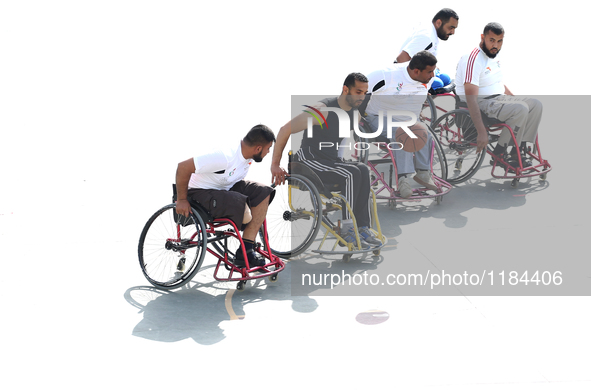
(457, 135)
(377, 152)
(172, 248)
(304, 205)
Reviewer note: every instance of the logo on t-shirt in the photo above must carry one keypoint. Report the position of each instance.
(231, 173)
(399, 87)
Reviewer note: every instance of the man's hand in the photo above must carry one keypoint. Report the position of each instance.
(183, 207)
(474, 109)
(278, 175)
(481, 141)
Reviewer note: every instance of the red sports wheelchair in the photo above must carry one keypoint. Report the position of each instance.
(457, 135)
(387, 188)
(172, 248)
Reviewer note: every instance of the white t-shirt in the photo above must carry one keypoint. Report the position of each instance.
(423, 37)
(398, 92)
(478, 69)
(220, 169)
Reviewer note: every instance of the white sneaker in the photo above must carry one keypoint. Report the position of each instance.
(424, 178)
(404, 187)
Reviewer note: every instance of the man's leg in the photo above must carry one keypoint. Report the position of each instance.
(347, 177)
(515, 112)
(423, 161)
(259, 213)
(259, 197)
(361, 205)
(534, 117)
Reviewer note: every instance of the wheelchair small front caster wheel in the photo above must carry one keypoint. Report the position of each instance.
(346, 258)
(376, 252)
(240, 285)
(273, 278)
(514, 183)
(392, 204)
(543, 176)
(439, 199)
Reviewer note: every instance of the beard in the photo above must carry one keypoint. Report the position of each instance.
(258, 157)
(487, 52)
(354, 103)
(441, 33)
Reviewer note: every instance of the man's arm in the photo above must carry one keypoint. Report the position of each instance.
(297, 124)
(183, 175)
(472, 100)
(403, 57)
(508, 92)
(417, 43)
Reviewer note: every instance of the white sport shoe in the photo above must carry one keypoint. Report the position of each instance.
(424, 178)
(404, 187)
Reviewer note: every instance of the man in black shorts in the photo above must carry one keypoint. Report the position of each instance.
(320, 154)
(215, 180)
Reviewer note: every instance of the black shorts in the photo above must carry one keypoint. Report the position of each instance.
(231, 204)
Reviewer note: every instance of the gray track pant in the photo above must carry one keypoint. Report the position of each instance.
(521, 113)
(408, 162)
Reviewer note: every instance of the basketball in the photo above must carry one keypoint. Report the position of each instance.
(411, 144)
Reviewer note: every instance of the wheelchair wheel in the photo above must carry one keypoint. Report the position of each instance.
(293, 218)
(439, 165)
(172, 247)
(457, 137)
(428, 114)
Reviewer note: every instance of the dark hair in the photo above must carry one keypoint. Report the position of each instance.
(352, 77)
(421, 60)
(444, 15)
(259, 135)
(495, 27)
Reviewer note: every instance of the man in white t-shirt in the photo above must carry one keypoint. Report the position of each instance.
(216, 181)
(479, 83)
(404, 87)
(427, 35)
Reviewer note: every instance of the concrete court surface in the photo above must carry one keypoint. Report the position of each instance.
(102, 99)
(78, 311)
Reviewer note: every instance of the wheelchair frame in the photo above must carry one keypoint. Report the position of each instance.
(393, 197)
(168, 240)
(458, 145)
(319, 203)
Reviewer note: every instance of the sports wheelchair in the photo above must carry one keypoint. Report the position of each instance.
(389, 186)
(305, 204)
(172, 248)
(457, 135)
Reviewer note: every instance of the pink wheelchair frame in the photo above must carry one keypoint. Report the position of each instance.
(172, 248)
(223, 254)
(450, 135)
(393, 195)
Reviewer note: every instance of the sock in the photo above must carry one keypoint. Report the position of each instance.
(248, 245)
